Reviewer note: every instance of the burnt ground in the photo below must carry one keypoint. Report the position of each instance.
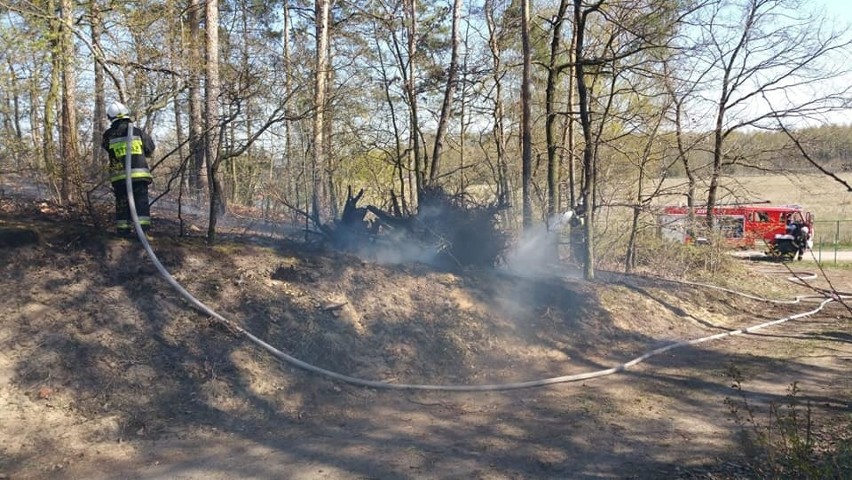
(107, 372)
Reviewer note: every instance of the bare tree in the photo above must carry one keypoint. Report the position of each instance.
(449, 92)
(398, 154)
(98, 153)
(553, 73)
(211, 113)
(681, 88)
(72, 177)
(197, 150)
(322, 12)
(568, 128)
(288, 92)
(767, 48)
(526, 114)
(410, 8)
(498, 132)
(617, 45)
(581, 15)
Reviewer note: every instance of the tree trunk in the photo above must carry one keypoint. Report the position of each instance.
(464, 120)
(179, 135)
(498, 131)
(449, 92)
(526, 121)
(713, 187)
(197, 148)
(72, 177)
(211, 113)
(15, 112)
(684, 158)
(320, 77)
(16, 105)
(568, 133)
(411, 93)
(99, 158)
(330, 166)
(588, 157)
(279, 182)
(36, 119)
(644, 160)
(721, 109)
(398, 164)
(553, 166)
(51, 101)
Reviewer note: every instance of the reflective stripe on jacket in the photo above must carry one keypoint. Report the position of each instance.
(141, 146)
(135, 174)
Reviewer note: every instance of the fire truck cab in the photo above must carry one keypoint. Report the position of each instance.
(786, 230)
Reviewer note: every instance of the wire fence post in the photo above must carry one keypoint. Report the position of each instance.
(836, 240)
(840, 235)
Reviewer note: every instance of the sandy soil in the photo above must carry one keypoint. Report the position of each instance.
(107, 372)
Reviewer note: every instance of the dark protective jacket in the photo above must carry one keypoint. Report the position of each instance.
(142, 146)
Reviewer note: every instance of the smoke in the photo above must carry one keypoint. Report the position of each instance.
(445, 242)
(536, 253)
(445, 233)
(398, 248)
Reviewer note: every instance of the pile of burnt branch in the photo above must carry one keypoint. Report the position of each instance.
(447, 230)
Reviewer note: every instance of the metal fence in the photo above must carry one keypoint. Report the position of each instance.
(830, 238)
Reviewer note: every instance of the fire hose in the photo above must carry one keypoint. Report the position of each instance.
(289, 359)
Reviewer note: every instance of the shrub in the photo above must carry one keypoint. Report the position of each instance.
(676, 259)
(784, 442)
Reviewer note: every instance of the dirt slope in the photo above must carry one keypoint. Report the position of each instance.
(106, 372)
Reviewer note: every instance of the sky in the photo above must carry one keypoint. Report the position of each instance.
(839, 12)
(838, 9)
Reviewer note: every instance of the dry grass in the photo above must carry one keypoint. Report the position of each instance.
(825, 197)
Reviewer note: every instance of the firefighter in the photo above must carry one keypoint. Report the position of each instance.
(578, 234)
(142, 146)
(791, 227)
(802, 241)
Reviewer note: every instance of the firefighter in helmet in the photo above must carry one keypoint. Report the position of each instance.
(802, 238)
(115, 142)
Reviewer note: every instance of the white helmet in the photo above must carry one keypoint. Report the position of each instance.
(117, 110)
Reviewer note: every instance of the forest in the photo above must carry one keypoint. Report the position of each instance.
(474, 126)
(532, 107)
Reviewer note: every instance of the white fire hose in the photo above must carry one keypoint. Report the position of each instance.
(450, 388)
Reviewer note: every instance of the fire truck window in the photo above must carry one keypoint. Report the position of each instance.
(763, 216)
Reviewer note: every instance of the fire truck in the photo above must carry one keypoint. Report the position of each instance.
(785, 230)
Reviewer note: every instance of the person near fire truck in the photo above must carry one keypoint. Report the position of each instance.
(802, 240)
(801, 235)
(115, 141)
(790, 226)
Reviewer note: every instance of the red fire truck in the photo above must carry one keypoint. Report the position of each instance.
(785, 229)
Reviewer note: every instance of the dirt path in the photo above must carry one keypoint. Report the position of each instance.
(106, 373)
(825, 255)
(661, 420)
